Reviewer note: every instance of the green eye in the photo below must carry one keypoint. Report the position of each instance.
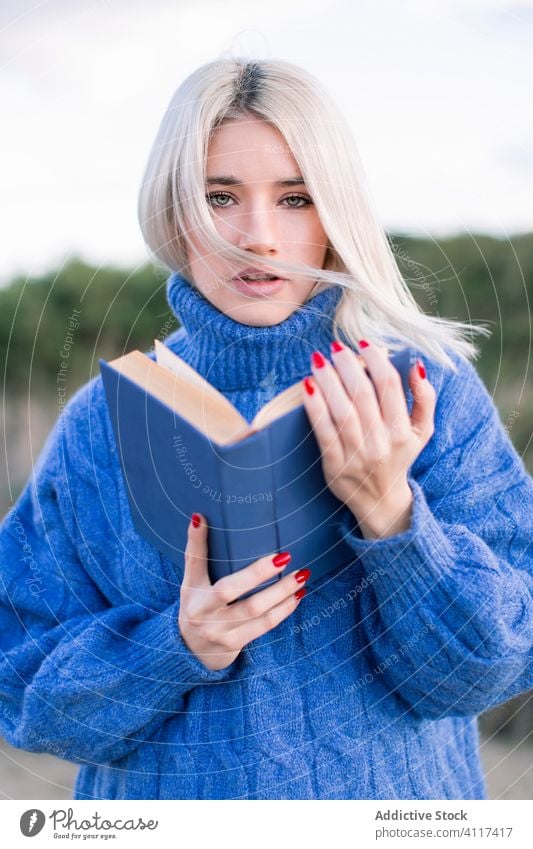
(308, 201)
(210, 198)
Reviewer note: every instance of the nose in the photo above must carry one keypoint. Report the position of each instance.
(258, 232)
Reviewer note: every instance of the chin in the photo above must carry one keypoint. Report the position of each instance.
(263, 313)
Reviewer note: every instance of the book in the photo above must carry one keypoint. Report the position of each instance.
(184, 447)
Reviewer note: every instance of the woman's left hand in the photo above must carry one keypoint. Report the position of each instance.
(368, 443)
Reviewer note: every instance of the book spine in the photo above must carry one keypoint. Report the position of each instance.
(249, 502)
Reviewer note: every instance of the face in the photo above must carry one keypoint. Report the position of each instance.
(247, 161)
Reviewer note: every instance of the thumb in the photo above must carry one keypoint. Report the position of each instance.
(196, 573)
(424, 401)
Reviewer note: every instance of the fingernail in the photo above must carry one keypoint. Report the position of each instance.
(308, 386)
(318, 359)
(302, 575)
(300, 593)
(363, 343)
(281, 559)
(337, 346)
(195, 519)
(421, 369)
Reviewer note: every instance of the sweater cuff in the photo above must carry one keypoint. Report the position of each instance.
(415, 558)
(176, 664)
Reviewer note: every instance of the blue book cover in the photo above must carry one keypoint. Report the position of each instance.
(259, 485)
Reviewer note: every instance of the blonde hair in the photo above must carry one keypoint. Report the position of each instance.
(376, 302)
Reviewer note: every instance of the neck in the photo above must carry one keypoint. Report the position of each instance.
(233, 356)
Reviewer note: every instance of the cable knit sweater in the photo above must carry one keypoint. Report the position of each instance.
(369, 690)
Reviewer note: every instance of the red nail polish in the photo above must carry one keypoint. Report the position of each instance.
(281, 559)
(300, 593)
(302, 575)
(363, 343)
(318, 359)
(309, 386)
(421, 369)
(337, 346)
(195, 520)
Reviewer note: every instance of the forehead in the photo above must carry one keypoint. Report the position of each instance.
(249, 147)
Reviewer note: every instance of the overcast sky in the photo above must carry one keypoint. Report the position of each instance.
(438, 95)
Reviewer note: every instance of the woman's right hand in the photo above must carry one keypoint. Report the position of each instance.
(216, 631)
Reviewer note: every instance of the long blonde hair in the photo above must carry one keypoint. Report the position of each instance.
(376, 303)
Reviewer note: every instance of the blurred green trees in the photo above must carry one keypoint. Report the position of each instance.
(119, 310)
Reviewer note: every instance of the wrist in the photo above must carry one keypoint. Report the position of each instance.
(388, 517)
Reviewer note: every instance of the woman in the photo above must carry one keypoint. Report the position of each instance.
(370, 687)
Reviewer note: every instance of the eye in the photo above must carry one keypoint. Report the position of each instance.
(308, 201)
(210, 198)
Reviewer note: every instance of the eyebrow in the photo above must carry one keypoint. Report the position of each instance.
(229, 180)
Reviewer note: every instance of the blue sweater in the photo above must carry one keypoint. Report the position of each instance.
(369, 690)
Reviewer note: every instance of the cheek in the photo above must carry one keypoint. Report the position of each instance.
(309, 227)
(313, 238)
(320, 235)
(200, 249)
(227, 226)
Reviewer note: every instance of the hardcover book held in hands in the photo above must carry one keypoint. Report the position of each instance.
(184, 447)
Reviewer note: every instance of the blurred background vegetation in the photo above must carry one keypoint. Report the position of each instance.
(479, 279)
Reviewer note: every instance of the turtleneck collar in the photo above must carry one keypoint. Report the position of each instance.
(232, 356)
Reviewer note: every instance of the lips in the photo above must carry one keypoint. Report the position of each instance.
(256, 275)
(258, 288)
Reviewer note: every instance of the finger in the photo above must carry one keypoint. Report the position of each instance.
(341, 407)
(196, 574)
(260, 602)
(351, 370)
(267, 621)
(231, 587)
(324, 428)
(388, 386)
(424, 402)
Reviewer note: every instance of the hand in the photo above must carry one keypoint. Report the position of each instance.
(368, 443)
(216, 632)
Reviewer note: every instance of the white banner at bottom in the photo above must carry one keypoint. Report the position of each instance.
(241, 824)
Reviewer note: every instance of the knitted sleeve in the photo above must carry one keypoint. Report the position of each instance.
(79, 677)
(449, 615)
